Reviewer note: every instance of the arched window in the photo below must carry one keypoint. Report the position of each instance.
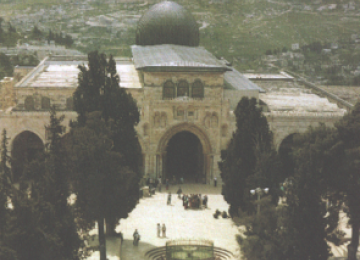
(69, 103)
(214, 120)
(168, 90)
(183, 89)
(45, 103)
(29, 103)
(197, 89)
(157, 119)
(146, 129)
(207, 120)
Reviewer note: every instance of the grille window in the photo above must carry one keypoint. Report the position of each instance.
(183, 89)
(168, 91)
(197, 90)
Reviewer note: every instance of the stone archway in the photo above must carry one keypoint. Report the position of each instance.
(24, 149)
(206, 148)
(285, 154)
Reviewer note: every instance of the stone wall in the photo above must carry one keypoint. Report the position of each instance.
(58, 97)
(7, 97)
(19, 121)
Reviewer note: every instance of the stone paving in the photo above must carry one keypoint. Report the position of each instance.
(180, 223)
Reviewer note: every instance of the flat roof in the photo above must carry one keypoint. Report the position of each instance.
(235, 80)
(169, 57)
(269, 76)
(64, 74)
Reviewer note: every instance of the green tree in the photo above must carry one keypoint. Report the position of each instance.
(6, 252)
(298, 229)
(100, 180)
(318, 159)
(6, 69)
(239, 161)
(267, 236)
(99, 90)
(36, 33)
(49, 219)
(5, 170)
(348, 130)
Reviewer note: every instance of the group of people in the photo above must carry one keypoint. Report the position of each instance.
(194, 201)
(161, 229)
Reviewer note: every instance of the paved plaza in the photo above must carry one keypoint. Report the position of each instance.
(180, 223)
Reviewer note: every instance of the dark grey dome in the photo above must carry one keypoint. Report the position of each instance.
(167, 23)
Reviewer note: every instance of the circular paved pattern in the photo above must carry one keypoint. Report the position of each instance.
(180, 223)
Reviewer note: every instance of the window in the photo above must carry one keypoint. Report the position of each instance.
(191, 111)
(163, 119)
(197, 89)
(183, 89)
(29, 103)
(45, 103)
(157, 119)
(169, 89)
(214, 120)
(180, 111)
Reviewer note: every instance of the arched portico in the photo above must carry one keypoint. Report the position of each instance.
(206, 148)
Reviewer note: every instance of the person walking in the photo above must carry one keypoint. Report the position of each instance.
(169, 199)
(215, 181)
(163, 229)
(179, 192)
(136, 237)
(159, 184)
(158, 228)
(205, 201)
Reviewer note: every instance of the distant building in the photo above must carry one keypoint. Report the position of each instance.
(295, 46)
(183, 93)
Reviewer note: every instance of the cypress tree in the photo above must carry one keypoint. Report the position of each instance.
(99, 90)
(348, 130)
(100, 180)
(239, 161)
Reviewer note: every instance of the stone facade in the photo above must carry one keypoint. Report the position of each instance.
(289, 107)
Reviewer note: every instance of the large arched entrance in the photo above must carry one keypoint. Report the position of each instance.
(25, 148)
(185, 151)
(184, 157)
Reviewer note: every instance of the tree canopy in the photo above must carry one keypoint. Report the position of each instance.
(107, 115)
(41, 223)
(251, 140)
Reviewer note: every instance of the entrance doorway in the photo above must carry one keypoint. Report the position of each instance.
(185, 158)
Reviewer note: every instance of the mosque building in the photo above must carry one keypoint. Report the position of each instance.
(186, 97)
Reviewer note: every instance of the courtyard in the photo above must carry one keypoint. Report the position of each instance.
(180, 224)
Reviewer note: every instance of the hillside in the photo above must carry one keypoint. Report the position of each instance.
(240, 31)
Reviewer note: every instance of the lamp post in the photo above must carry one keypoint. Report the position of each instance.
(259, 191)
